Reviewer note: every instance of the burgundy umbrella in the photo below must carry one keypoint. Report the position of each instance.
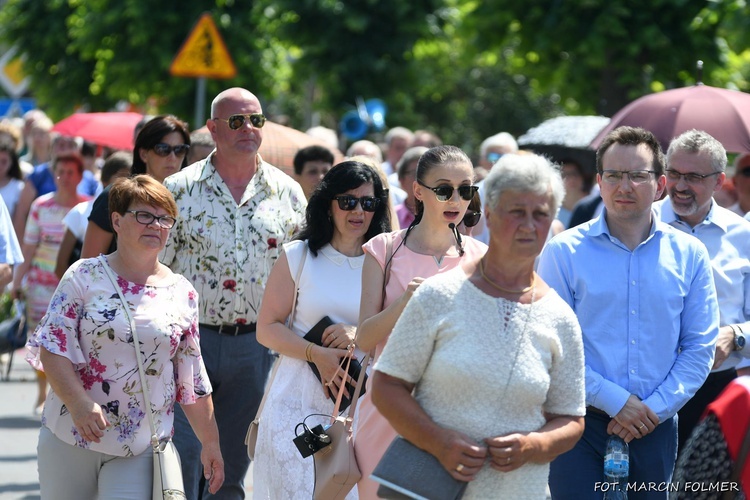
(723, 113)
(112, 129)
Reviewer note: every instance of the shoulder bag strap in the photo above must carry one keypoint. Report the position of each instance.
(141, 372)
(289, 323)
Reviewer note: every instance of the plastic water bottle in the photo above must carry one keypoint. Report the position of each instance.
(616, 468)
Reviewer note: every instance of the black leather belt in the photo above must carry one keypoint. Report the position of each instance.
(233, 329)
(592, 409)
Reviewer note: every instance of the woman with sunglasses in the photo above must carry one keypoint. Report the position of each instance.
(160, 150)
(484, 369)
(347, 209)
(429, 246)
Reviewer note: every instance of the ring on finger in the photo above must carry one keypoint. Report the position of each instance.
(641, 426)
(507, 462)
(460, 467)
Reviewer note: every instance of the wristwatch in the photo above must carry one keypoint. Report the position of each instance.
(739, 339)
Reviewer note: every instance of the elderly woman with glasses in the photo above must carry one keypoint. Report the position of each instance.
(95, 425)
(160, 150)
(484, 368)
(443, 189)
(347, 209)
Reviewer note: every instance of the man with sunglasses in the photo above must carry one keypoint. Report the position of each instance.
(696, 164)
(644, 295)
(235, 212)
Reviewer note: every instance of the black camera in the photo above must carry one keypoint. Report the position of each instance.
(311, 440)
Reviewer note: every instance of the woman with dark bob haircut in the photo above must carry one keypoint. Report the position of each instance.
(348, 207)
(160, 150)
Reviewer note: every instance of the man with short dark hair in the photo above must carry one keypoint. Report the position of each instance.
(310, 165)
(644, 295)
(741, 182)
(235, 212)
(696, 164)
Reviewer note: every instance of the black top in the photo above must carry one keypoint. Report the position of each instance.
(100, 216)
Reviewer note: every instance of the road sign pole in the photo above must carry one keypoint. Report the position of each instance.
(200, 102)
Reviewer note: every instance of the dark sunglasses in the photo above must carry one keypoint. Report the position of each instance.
(471, 219)
(257, 120)
(445, 192)
(163, 149)
(745, 172)
(348, 202)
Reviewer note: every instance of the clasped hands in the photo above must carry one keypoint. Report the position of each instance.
(634, 421)
(464, 458)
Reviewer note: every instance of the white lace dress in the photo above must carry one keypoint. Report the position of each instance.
(330, 285)
(489, 367)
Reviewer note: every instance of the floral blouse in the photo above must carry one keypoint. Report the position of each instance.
(227, 249)
(86, 323)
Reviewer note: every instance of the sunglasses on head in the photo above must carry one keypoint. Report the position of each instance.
(445, 192)
(163, 149)
(257, 120)
(471, 219)
(348, 202)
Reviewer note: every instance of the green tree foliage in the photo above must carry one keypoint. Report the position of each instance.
(96, 53)
(601, 54)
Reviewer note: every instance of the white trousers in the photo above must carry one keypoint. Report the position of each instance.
(67, 472)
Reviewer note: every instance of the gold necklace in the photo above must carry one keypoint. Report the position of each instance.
(503, 289)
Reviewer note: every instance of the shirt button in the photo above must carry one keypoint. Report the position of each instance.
(632, 312)
(632, 371)
(632, 342)
(632, 282)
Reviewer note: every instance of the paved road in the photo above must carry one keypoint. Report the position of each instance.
(19, 431)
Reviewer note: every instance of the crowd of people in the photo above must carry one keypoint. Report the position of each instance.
(519, 309)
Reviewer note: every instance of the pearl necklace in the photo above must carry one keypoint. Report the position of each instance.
(503, 289)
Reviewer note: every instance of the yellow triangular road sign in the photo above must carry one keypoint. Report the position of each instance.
(203, 54)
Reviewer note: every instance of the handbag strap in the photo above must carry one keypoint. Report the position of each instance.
(387, 269)
(289, 323)
(141, 372)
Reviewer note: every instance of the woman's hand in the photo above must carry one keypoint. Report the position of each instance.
(89, 419)
(213, 466)
(339, 336)
(410, 289)
(460, 455)
(327, 360)
(511, 451)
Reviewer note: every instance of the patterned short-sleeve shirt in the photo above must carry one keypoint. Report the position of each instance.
(86, 323)
(227, 249)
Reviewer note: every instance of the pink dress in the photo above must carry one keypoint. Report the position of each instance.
(45, 229)
(374, 434)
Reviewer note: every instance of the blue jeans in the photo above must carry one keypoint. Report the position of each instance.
(238, 368)
(578, 474)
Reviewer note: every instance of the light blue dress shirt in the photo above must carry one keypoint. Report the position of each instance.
(727, 238)
(10, 250)
(649, 317)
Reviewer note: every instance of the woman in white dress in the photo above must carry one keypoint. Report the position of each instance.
(484, 368)
(348, 207)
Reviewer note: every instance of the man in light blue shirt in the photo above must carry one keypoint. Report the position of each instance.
(10, 250)
(696, 164)
(645, 297)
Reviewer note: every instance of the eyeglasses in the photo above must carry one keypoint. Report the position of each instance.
(635, 176)
(257, 120)
(471, 219)
(348, 202)
(146, 218)
(163, 149)
(691, 178)
(445, 192)
(493, 157)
